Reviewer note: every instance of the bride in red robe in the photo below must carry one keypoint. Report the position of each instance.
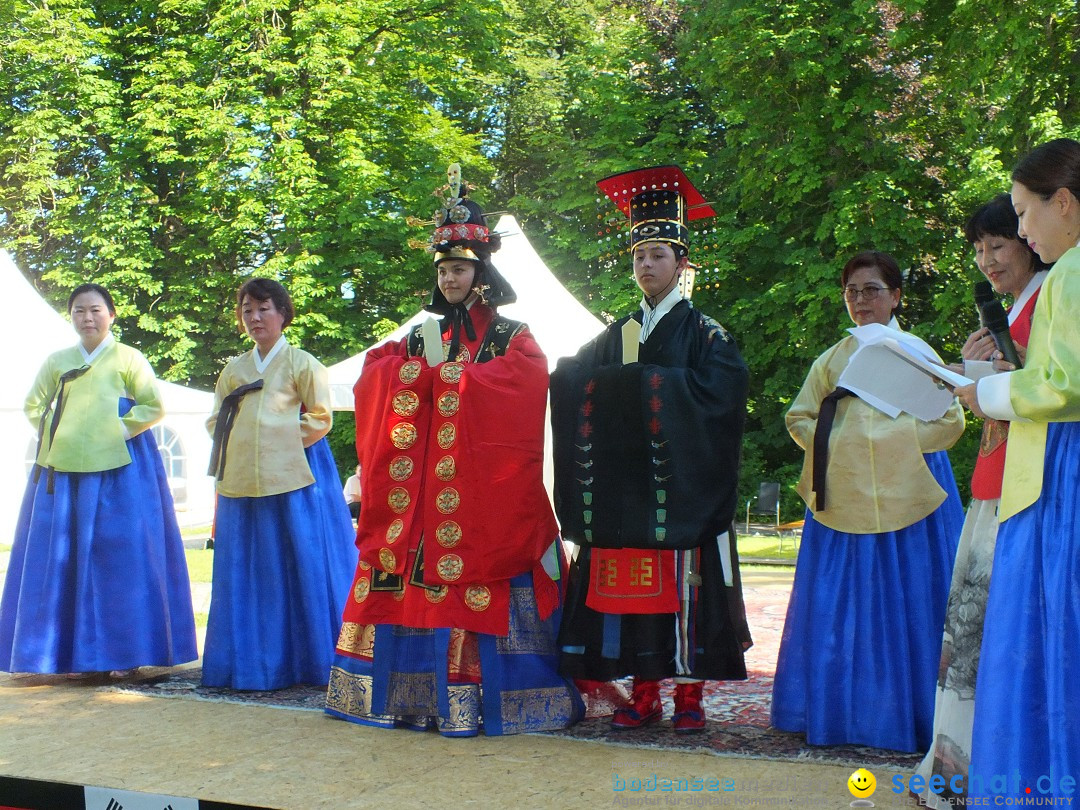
(453, 612)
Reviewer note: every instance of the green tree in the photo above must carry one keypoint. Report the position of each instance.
(168, 148)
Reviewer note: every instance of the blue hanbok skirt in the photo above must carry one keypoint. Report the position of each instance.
(406, 682)
(1027, 699)
(861, 644)
(97, 579)
(283, 566)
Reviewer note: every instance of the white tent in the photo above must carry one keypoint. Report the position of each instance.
(38, 331)
(558, 320)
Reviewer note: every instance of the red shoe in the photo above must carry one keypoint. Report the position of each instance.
(644, 708)
(601, 698)
(689, 717)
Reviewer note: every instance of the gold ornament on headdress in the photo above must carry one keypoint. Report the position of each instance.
(480, 289)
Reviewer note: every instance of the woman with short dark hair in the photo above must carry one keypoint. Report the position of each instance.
(858, 658)
(283, 551)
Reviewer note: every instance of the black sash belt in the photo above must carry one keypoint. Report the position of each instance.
(826, 415)
(226, 416)
(57, 412)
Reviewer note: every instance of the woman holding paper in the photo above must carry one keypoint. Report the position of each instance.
(1015, 270)
(1027, 700)
(858, 658)
(451, 620)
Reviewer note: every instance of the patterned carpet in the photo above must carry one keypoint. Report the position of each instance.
(737, 711)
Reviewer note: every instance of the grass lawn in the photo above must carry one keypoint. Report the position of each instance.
(766, 546)
(200, 564)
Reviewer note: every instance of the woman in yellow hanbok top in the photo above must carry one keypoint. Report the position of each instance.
(859, 654)
(284, 553)
(97, 580)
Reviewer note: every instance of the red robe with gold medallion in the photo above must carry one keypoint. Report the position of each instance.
(456, 532)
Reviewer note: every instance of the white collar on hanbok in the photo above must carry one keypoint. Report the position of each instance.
(260, 363)
(90, 357)
(1021, 300)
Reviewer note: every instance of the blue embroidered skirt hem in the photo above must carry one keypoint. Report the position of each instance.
(406, 682)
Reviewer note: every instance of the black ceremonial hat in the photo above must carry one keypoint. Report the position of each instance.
(659, 201)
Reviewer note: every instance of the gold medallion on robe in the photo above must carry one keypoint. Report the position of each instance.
(450, 567)
(446, 469)
(393, 531)
(446, 435)
(448, 501)
(403, 435)
(448, 534)
(437, 595)
(398, 499)
(463, 353)
(387, 559)
(451, 372)
(401, 468)
(361, 589)
(409, 372)
(478, 597)
(405, 403)
(449, 403)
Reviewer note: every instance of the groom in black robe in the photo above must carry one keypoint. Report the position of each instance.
(647, 422)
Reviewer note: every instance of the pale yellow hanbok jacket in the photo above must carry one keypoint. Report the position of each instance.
(265, 453)
(1046, 389)
(877, 478)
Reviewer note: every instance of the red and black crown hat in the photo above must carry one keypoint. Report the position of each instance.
(461, 230)
(659, 201)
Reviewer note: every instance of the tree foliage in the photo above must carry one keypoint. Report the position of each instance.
(168, 148)
(819, 129)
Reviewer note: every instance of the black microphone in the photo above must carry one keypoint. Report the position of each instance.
(992, 316)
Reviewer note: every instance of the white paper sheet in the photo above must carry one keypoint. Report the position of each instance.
(898, 373)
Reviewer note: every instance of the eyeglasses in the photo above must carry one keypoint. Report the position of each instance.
(869, 292)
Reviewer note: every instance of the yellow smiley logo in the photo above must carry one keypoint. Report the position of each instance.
(862, 784)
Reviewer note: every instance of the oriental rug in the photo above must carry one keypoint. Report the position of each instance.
(737, 711)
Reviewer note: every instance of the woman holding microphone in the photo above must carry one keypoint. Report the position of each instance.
(1027, 701)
